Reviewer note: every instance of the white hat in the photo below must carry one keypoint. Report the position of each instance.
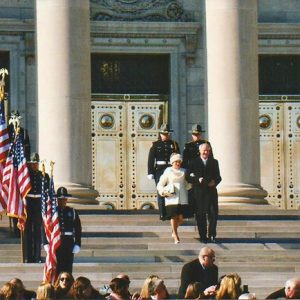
(174, 157)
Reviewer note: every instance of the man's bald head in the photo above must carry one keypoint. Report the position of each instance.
(292, 288)
(207, 256)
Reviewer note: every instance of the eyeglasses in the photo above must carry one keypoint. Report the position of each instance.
(65, 279)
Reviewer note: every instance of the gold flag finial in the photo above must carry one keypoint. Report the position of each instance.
(51, 167)
(43, 167)
(3, 72)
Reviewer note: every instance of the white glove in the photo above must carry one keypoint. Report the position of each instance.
(150, 176)
(46, 247)
(76, 249)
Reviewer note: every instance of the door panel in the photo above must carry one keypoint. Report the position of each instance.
(280, 152)
(292, 117)
(122, 134)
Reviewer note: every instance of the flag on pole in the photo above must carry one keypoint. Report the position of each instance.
(4, 147)
(52, 229)
(16, 182)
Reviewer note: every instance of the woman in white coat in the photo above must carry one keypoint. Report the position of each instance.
(173, 186)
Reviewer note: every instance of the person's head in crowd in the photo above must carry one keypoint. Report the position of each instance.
(45, 291)
(193, 290)
(62, 196)
(196, 132)
(21, 289)
(164, 132)
(230, 287)
(204, 150)
(9, 292)
(145, 288)
(119, 287)
(176, 160)
(34, 161)
(292, 288)
(207, 257)
(157, 289)
(82, 289)
(63, 284)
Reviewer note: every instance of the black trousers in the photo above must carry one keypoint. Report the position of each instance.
(160, 199)
(32, 232)
(212, 217)
(64, 254)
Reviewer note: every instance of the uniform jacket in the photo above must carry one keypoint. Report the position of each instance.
(36, 181)
(177, 179)
(69, 222)
(194, 272)
(191, 151)
(161, 151)
(203, 194)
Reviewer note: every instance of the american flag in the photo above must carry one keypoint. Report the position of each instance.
(52, 229)
(4, 147)
(16, 182)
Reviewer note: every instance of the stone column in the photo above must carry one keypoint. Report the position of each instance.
(232, 87)
(63, 76)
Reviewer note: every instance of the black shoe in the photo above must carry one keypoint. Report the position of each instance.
(212, 239)
(205, 240)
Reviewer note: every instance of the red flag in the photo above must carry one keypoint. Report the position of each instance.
(52, 230)
(16, 182)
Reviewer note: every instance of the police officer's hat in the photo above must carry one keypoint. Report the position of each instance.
(196, 128)
(165, 129)
(62, 193)
(15, 113)
(34, 158)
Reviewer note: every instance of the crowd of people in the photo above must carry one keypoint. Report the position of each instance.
(199, 280)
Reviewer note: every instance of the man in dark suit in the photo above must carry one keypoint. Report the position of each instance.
(159, 160)
(290, 291)
(190, 152)
(202, 270)
(204, 175)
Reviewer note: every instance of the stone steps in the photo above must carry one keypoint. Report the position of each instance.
(262, 245)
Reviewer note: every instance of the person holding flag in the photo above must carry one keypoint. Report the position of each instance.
(70, 234)
(33, 226)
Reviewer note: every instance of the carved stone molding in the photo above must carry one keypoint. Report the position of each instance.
(135, 10)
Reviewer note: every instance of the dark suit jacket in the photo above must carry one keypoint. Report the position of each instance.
(194, 272)
(204, 195)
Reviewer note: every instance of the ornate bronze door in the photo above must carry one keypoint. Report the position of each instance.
(280, 151)
(122, 133)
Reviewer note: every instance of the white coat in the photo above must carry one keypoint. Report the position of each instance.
(173, 186)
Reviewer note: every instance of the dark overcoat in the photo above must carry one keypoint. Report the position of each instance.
(204, 196)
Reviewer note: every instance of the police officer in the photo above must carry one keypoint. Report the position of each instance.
(70, 227)
(190, 152)
(159, 160)
(191, 149)
(33, 225)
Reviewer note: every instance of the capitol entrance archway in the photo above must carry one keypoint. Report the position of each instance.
(123, 129)
(280, 149)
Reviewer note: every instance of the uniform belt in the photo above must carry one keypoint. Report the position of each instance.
(161, 162)
(67, 233)
(34, 195)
